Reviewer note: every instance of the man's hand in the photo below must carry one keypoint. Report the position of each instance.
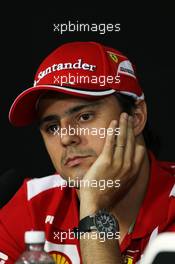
(120, 159)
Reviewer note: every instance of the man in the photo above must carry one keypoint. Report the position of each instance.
(105, 202)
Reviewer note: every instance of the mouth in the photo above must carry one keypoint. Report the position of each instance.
(73, 161)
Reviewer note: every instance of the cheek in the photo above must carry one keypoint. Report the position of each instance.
(96, 143)
(53, 150)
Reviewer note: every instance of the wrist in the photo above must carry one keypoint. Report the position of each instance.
(87, 209)
(87, 204)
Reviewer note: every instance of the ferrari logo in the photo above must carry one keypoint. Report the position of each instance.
(113, 56)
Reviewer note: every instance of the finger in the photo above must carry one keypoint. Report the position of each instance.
(109, 144)
(130, 144)
(121, 139)
(138, 157)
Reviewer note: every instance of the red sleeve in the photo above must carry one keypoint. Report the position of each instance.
(171, 216)
(169, 224)
(15, 219)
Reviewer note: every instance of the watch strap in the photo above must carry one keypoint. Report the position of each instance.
(86, 224)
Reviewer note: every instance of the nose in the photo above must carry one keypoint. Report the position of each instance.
(69, 136)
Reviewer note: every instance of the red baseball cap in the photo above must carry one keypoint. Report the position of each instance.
(84, 69)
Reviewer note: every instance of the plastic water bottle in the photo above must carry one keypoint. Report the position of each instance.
(35, 253)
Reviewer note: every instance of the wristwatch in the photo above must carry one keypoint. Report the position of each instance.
(102, 222)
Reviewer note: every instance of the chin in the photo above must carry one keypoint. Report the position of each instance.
(76, 173)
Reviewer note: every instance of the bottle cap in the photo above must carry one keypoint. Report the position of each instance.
(34, 237)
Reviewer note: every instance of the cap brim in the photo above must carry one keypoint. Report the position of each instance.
(23, 110)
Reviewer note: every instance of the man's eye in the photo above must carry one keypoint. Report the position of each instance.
(52, 129)
(85, 117)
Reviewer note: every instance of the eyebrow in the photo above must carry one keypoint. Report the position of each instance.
(68, 112)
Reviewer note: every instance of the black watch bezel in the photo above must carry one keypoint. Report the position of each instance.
(110, 225)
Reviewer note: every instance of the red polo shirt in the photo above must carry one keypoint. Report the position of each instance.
(44, 204)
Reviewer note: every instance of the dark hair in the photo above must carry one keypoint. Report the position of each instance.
(127, 103)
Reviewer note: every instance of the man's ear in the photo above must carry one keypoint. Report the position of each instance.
(139, 117)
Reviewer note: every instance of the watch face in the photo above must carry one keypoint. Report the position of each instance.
(105, 222)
